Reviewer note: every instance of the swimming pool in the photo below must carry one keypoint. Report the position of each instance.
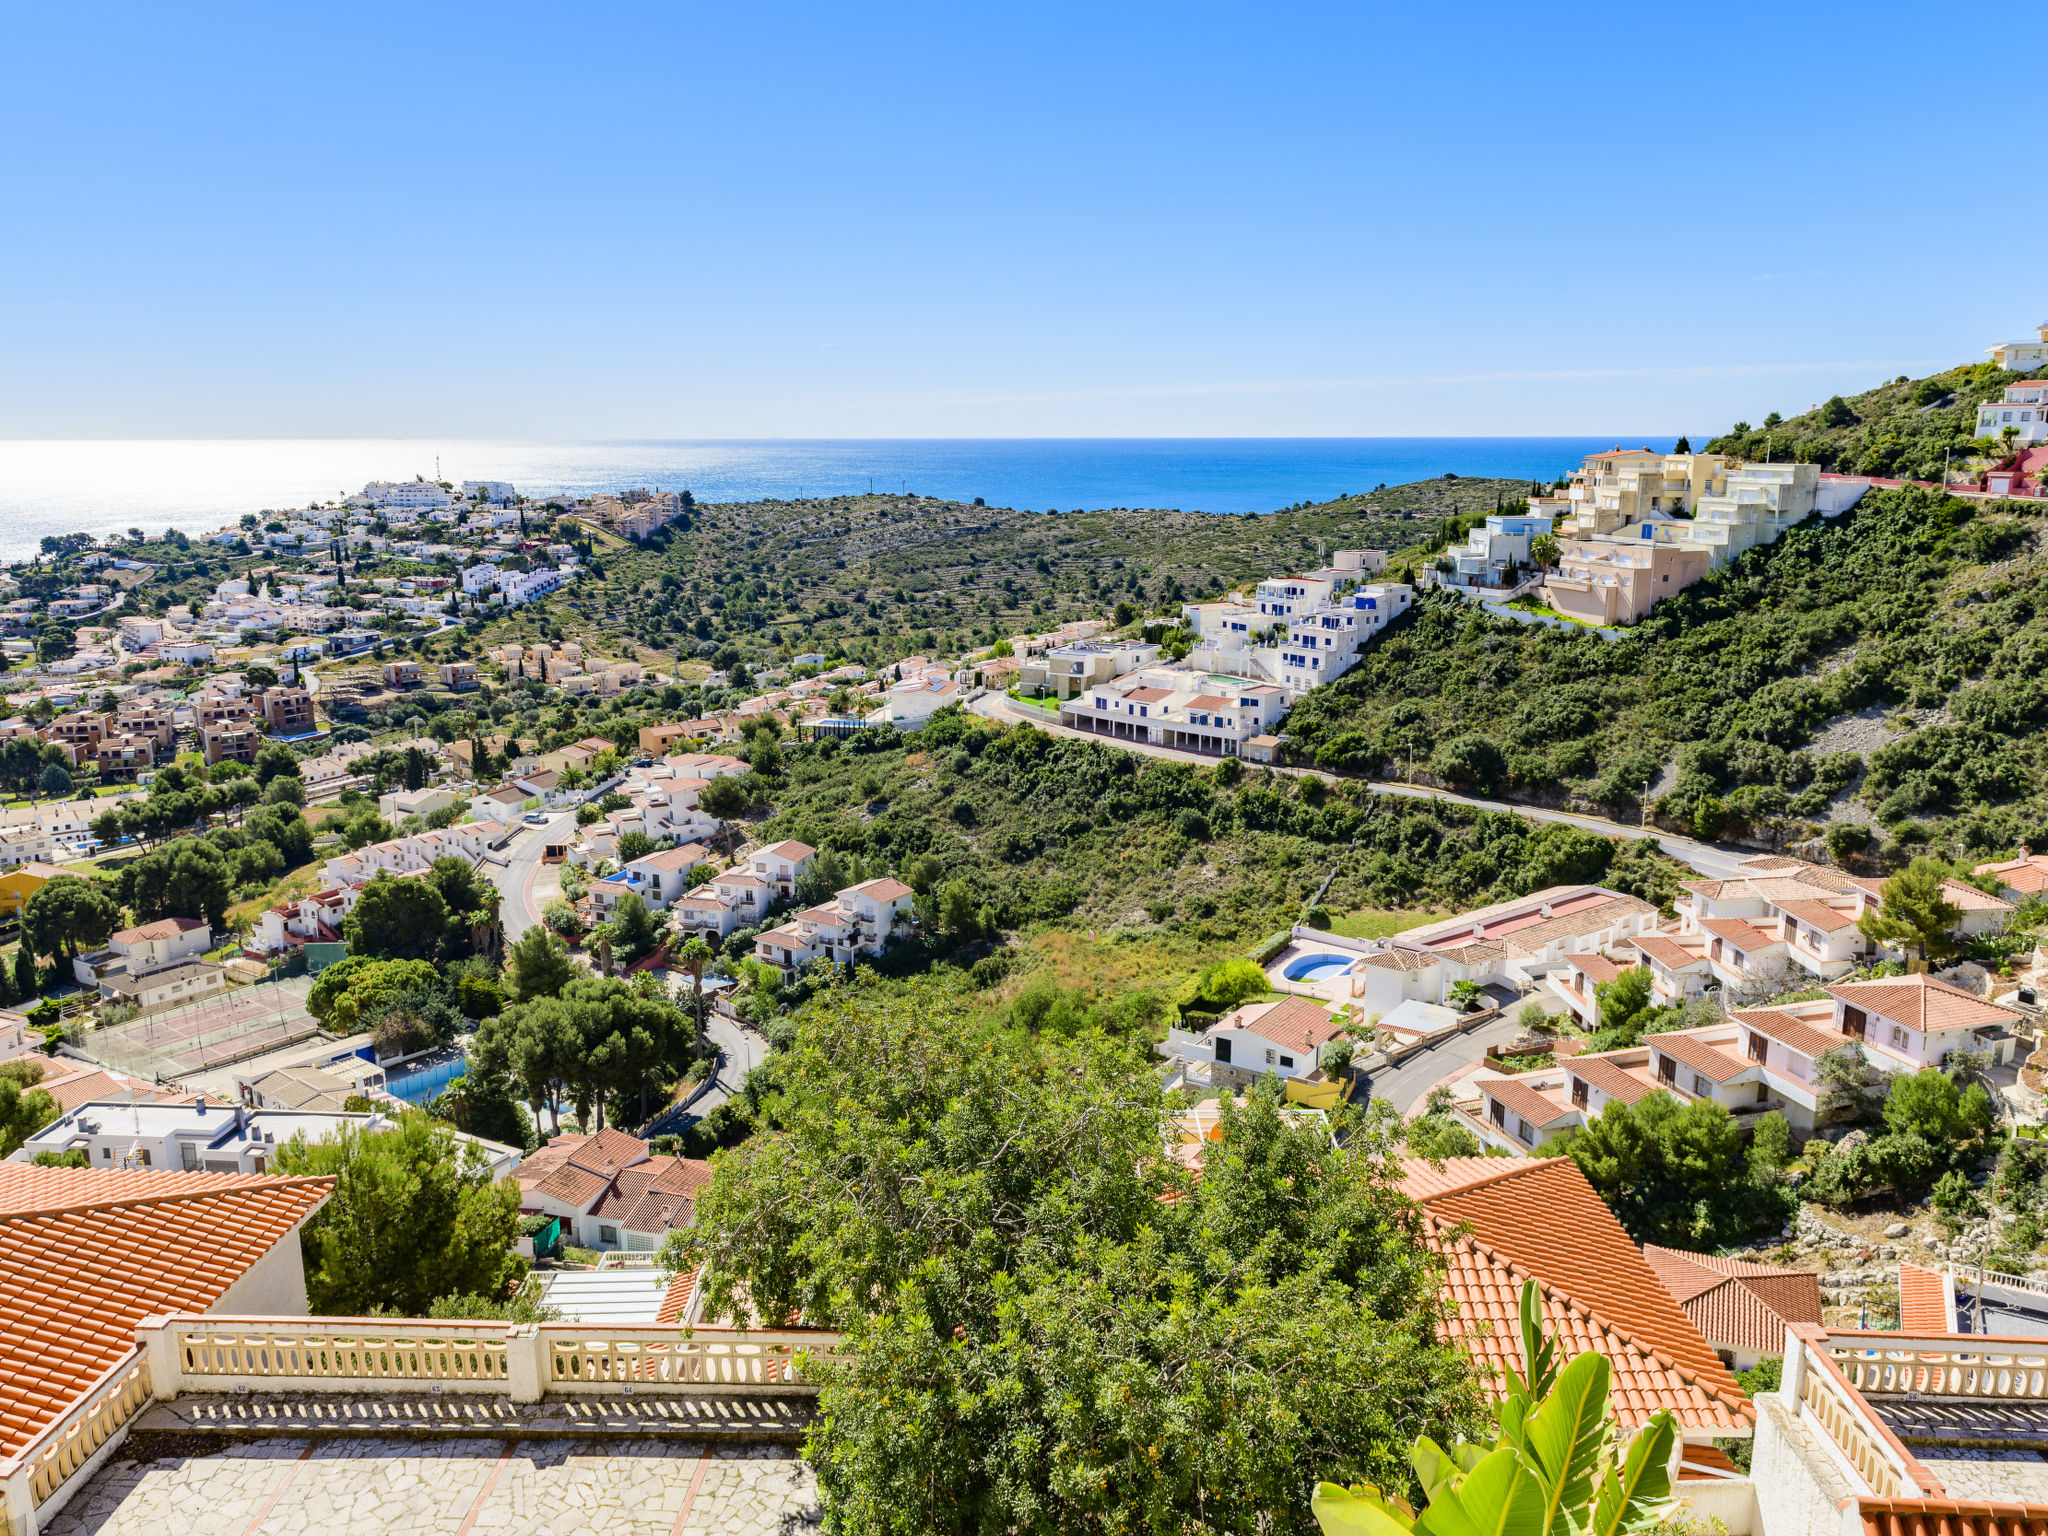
(422, 1084)
(1318, 967)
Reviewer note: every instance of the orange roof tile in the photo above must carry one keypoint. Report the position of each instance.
(1923, 1302)
(1951, 1517)
(1923, 1003)
(1535, 1107)
(1781, 1025)
(1292, 1021)
(1611, 1078)
(1701, 1055)
(1667, 951)
(1746, 937)
(87, 1253)
(1737, 1305)
(1500, 1221)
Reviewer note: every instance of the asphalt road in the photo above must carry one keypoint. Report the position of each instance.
(1708, 859)
(1406, 1085)
(514, 879)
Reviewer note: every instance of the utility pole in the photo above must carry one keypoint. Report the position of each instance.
(1646, 803)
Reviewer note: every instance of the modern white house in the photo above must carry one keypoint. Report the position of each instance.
(2024, 409)
(207, 1137)
(860, 921)
(136, 952)
(782, 864)
(1282, 1039)
(1173, 708)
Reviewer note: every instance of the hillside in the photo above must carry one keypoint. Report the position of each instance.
(1901, 429)
(1884, 674)
(882, 576)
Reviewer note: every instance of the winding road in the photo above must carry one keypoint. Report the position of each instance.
(514, 878)
(1707, 858)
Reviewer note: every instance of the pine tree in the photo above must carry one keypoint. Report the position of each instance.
(24, 975)
(1684, 445)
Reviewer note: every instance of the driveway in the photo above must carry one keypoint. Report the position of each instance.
(1405, 1086)
(1714, 862)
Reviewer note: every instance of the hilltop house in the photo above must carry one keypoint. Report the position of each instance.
(1282, 1039)
(859, 921)
(611, 1191)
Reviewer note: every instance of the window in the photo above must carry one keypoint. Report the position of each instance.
(1223, 1051)
(1759, 1050)
(107, 1153)
(1499, 1113)
(143, 1154)
(1286, 1061)
(1763, 1093)
(1900, 1039)
(608, 1235)
(1854, 1022)
(1702, 1087)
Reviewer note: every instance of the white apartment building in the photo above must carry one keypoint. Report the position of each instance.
(410, 495)
(518, 587)
(1491, 549)
(479, 578)
(2024, 409)
(1323, 645)
(2022, 356)
(500, 491)
(1172, 708)
(861, 920)
(404, 855)
(713, 910)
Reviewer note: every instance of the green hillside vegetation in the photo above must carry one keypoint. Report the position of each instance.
(879, 577)
(1901, 429)
(1923, 608)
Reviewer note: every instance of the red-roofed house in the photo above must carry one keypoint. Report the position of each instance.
(1741, 1309)
(782, 865)
(1500, 1221)
(86, 1254)
(610, 1190)
(1281, 1039)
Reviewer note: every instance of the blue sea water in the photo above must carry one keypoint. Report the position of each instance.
(196, 485)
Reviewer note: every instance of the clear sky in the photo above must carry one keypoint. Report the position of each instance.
(878, 220)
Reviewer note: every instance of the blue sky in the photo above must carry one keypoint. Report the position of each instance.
(684, 220)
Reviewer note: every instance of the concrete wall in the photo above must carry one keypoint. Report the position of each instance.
(274, 1286)
(1798, 1484)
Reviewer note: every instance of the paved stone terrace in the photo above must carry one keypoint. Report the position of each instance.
(380, 1487)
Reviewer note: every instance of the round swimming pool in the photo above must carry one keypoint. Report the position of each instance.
(1317, 967)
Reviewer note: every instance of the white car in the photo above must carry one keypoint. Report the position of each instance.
(536, 818)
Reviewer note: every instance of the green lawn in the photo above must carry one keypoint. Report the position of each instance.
(1371, 924)
(1050, 706)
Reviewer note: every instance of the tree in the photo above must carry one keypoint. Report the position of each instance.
(634, 930)
(724, 798)
(693, 957)
(55, 780)
(275, 759)
(1227, 983)
(606, 1043)
(67, 914)
(27, 983)
(1038, 1340)
(538, 965)
(1929, 1103)
(285, 789)
(1545, 550)
(397, 919)
(24, 1108)
(634, 844)
(186, 877)
(357, 989)
(1555, 1468)
(1916, 910)
(1626, 1005)
(1437, 1132)
(1671, 1175)
(1848, 1084)
(414, 1217)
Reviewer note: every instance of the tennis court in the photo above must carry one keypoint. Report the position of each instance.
(174, 1042)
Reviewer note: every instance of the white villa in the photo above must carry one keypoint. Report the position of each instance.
(861, 920)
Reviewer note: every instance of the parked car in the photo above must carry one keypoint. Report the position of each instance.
(536, 818)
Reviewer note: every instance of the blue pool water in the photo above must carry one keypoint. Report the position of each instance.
(417, 1087)
(1318, 967)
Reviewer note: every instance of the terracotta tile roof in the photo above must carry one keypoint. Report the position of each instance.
(1597, 968)
(1962, 894)
(162, 928)
(1586, 919)
(2028, 875)
(676, 858)
(1400, 960)
(1746, 937)
(1786, 1028)
(791, 849)
(1298, 1021)
(1818, 914)
(1531, 1104)
(1477, 953)
(882, 888)
(87, 1253)
(1923, 1302)
(1734, 1304)
(1667, 951)
(1951, 1517)
(675, 1302)
(1148, 695)
(669, 1200)
(1611, 1078)
(1538, 1218)
(1716, 1062)
(1923, 1003)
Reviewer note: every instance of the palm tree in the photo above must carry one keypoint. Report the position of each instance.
(693, 957)
(1545, 550)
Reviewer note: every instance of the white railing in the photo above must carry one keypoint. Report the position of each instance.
(2033, 1285)
(41, 1468)
(1941, 1366)
(1836, 1411)
(524, 1362)
(658, 1357)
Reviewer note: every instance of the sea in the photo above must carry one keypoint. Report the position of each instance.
(196, 485)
